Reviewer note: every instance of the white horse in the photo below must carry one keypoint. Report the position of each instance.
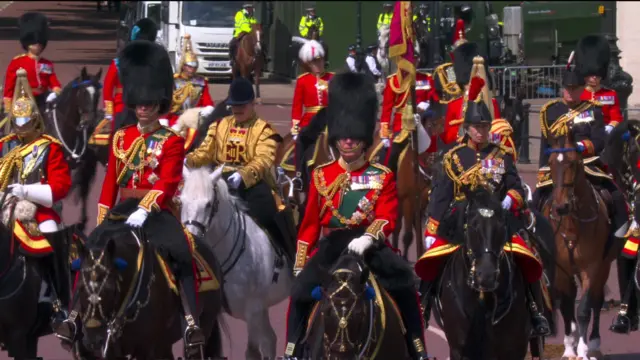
(383, 55)
(250, 264)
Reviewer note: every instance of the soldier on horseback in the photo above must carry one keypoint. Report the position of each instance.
(592, 55)
(244, 20)
(476, 161)
(34, 35)
(33, 167)
(191, 90)
(351, 194)
(246, 146)
(310, 20)
(144, 29)
(627, 319)
(585, 121)
(144, 171)
(385, 16)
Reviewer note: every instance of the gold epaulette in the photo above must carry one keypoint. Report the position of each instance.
(543, 117)
(385, 169)
(324, 165)
(171, 130)
(19, 56)
(301, 75)
(52, 139)
(501, 126)
(7, 138)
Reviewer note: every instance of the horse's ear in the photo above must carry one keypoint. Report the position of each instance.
(83, 73)
(111, 248)
(99, 75)
(216, 174)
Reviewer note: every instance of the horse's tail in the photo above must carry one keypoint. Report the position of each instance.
(82, 180)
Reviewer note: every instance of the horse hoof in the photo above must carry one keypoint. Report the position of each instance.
(595, 355)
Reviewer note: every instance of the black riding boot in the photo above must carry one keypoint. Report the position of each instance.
(300, 164)
(297, 318)
(285, 226)
(426, 297)
(620, 216)
(627, 319)
(194, 339)
(232, 52)
(412, 317)
(58, 275)
(537, 198)
(538, 321)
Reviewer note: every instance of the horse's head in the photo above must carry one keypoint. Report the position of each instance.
(347, 306)
(622, 153)
(485, 236)
(256, 32)
(204, 195)
(565, 163)
(313, 33)
(100, 287)
(83, 96)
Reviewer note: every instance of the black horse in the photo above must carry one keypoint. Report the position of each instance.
(124, 302)
(23, 319)
(481, 293)
(423, 38)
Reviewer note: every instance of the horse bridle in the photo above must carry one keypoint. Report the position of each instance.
(202, 228)
(83, 125)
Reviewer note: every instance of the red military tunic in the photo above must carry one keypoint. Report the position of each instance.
(608, 99)
(311, 95)
(458, 33)
(156, 176)
(112, 91)
(40, 74)
(370, 200)
(189, 93)
(394, 101)
(455, 116)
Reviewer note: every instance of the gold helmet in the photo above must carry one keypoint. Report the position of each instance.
(24, 113)
(188, 56)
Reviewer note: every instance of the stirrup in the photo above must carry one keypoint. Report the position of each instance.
(188, 332)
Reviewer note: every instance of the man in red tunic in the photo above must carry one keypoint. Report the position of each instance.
(37, 173)
(34, 35)
(359, 217)
(191, 91)
(144, 29)
(472, 86)
(592, 61)
(144, 171)
(475, 157)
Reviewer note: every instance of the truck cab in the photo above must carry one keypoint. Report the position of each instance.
(210, 25)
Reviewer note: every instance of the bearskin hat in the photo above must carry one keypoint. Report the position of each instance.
(34, 29)
(144, 29)
(146, 75)
(477, 113)
(463, 61)
(353, 107)
(592, 56)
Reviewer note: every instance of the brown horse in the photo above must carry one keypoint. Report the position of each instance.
(580, 221)
(250, 58)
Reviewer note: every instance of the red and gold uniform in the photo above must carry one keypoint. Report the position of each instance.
(112, 91)
(608, 99)
(395, 100)
(190, 91)
(148, 162)
(360, 194)
(311, 95)
(40, 74)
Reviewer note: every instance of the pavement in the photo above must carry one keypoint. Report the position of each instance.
(81, 36)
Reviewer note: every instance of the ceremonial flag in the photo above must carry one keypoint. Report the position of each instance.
(401, 40)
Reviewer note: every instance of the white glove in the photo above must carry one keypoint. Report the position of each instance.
(428, 241)
(176, 127)
(108, 117)
(52, 96)
(359, 245)
(424, 141)
(507, 202)
(386, 142)
(633, 227)
(423, 106)
(164, 122)
(234, 180)
(296, 272)
(295, 137)
(206, 111)
(137, 218)
(608, 128)
(18, 190)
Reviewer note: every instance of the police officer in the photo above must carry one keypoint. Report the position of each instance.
(310, 20)
(373, 66)
(385, 16)
(353, 63)
(244, 20)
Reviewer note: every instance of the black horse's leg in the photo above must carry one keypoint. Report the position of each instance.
(32, 346)
(83, 179)
(584, 318)
(594, 337)
(567, 309)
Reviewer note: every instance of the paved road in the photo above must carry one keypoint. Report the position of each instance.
(81, 36)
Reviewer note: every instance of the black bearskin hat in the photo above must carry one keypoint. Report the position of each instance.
(592, 56)
(477, 113)
(353, 107)
(146, 75)
(463, 62)
(34, 29)
(144, 29)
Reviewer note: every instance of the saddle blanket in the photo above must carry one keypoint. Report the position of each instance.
(207, 280)
(31, 241)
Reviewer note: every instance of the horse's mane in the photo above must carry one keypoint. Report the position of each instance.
(483, 198)
(67, 90)
(614, 150)
(199, 183)
(101, 235)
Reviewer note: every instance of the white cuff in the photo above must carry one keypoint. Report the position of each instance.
(48, 226)
(39, 193)
(424, 141)
(423, 106)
